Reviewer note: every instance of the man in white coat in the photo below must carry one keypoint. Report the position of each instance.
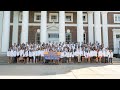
(110, 56)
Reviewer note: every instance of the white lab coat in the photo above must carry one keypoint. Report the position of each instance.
(111, 55)
(8, 53)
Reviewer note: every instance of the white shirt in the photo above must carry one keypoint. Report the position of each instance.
(95, 53)
(42, 53)
(11, 53)
(72, 54)
(26, 53)
(77, 53)
(106, 53)
(68, 54)
(14, 53)
(36, 53)
(21, 52)
(86, 55)
(65, 54)
(30, 54)
(8, 53)
(18, 53)
(100, 53)
(39, 52)
(111, 55)
(33, 53)
(62, 54)
(91, 53)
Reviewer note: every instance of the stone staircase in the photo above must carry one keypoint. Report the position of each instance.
(3, 59)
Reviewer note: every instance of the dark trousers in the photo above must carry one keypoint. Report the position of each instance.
(14, 59)
(110, 60)
(65, 59)
(106, 59)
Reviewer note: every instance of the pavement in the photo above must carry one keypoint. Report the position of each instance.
(64, 71)
(86, 71)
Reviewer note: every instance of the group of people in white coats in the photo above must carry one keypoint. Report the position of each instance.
(69, 53)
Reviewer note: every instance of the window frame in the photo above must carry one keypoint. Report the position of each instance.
(50, 15)
(118, 15)
(69, 14)
(35, 17)
(53, 35)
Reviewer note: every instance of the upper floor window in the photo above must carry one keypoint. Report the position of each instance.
(37, 17)
(118, 36)
(116, 18)
(20, 16)
(68, 17)
(84, 17)
(53, 17)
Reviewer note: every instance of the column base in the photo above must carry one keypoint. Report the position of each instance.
(3, 54)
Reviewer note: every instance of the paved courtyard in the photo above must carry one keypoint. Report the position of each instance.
(82, 71)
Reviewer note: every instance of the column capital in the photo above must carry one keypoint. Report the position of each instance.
(104, 12)
(90, 12)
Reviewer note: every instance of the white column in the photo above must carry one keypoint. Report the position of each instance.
(1, 26)
(43, 34)
(6, 31)
(62, 26)
(15, 28)
(80, 26)
(90, 27)
(25, 21)
(97, 25)
(105, 29)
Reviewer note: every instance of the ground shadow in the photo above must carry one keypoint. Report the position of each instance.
(43, 70)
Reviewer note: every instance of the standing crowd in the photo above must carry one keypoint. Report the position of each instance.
(68, 53)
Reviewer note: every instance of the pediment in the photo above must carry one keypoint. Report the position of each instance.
(52, 26)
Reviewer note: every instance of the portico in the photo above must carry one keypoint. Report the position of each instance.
(94, 23)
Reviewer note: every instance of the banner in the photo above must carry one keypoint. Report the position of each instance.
(52, 55)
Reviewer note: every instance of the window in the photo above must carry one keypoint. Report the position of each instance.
(20, 16)
(116, 18)
(53, 17)
(53, 35)
(68, 17)
(37, 38)
(37, 17)
(84, 17)
(118, 36)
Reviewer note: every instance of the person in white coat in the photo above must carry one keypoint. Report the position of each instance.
(14, 56)
(61, 56)
(33, 54)
(26, 56)
(89, 56)
(100, 55)
(30, 56)
(8, 55)
(110, 56)
(18, 54)
(106, 55)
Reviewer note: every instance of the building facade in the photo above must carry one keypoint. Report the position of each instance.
(60, 26)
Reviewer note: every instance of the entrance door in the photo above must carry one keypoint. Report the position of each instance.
(68, 37)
